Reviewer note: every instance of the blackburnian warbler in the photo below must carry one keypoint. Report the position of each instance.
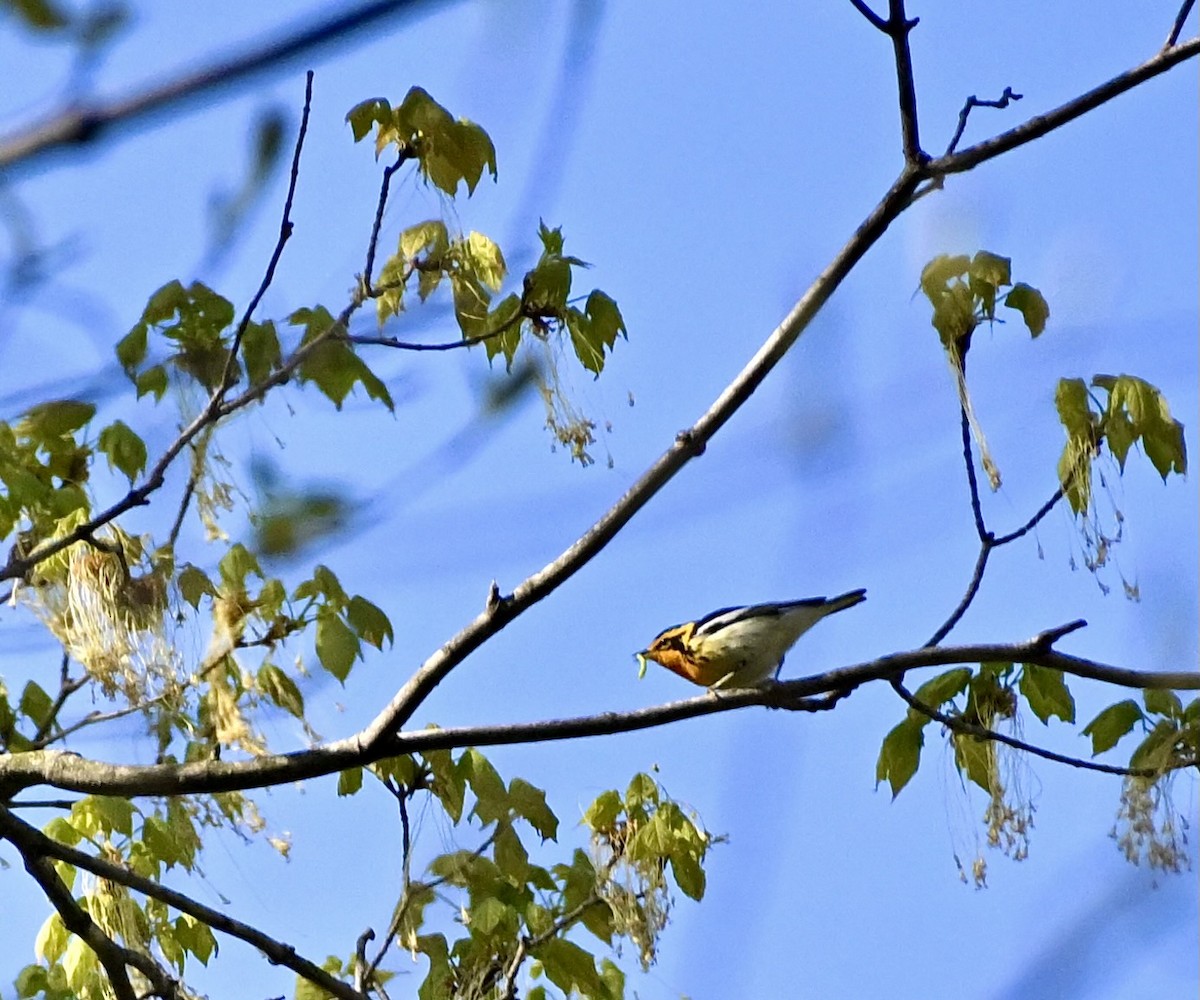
(740, 647)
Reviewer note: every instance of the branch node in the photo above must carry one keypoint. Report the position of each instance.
(688, 440)
(1044, 640)
(495, 600)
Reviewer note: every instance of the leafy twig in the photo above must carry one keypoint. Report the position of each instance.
(34, 844)
(966, 728)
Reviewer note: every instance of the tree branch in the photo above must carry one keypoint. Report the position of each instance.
(1040, 125)
(70, 772)
(115, 958)
(83, 124)
(966, 728)
(975, 102)
(36, 845)
(898, 28)
(1184, 9)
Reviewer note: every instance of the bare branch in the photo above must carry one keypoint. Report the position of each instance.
(83, 124)
(898, 28)
(1040, 125)
(34, 844)
(870, 15)
(1032, 523)
(975, 102)
(285, 233)
(985, 550)
(1184, 9)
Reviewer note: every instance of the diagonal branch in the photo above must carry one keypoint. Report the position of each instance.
(115, 958)
(1040, 125)
(72, 773)
(83, 124)
(35, 845)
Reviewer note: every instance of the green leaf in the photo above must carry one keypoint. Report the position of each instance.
(281, 689)
(505, 317)
(987, 274)
(490, 793)
(510, 854)
(1046, 692)
(939, 272)
(938, 690)
(428, 236)
(367, 114)
(51, 421)
(569, 967)
(1157, 749)
(976, 758)
(260, 349)
(125, 450)
(35, 703)
(153, 381)
(1136, 408)
(371, 624)
(899, 755)
(337, 646)
(547, 287)
(131, 349)
(485, 260)
(603, 813)
(349, 781)
(238, 563)
(1116, 721)
(1163, 702)
(449, 782)
(193, 584)
(389, 296)
(1032, 306)
(529, 803)
(103, 814)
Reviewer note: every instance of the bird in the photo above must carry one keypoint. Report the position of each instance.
(740, 647)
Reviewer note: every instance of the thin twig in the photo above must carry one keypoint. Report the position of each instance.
(1184, 9)
(229, 377)
(402, 157)
(966, 728)
(1040, 125)
(185, 501)
(985, 536)
(975, 102)
(870, 15)
(33, 843)
(985, 550)
(898, 28)
(83, 124)
(67, 686)
(1032, 523)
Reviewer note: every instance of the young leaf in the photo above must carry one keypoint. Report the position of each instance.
(1162, 702)
(193, 584)
(1047, 693)
(349, 781)
(1032, 306)
(938, 690)
(337, 646)
(529, 803)
(976, 758)
(125, 450)
(1116, 721)
(369, 622)
(900, 755)
(281, 689)
(260, 348)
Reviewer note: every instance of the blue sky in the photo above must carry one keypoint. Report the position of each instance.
(709, 162)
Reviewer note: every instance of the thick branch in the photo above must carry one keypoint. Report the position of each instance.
(115, 958)
(70, 772)
(34, 844)
(688, 445)
(83, 124)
